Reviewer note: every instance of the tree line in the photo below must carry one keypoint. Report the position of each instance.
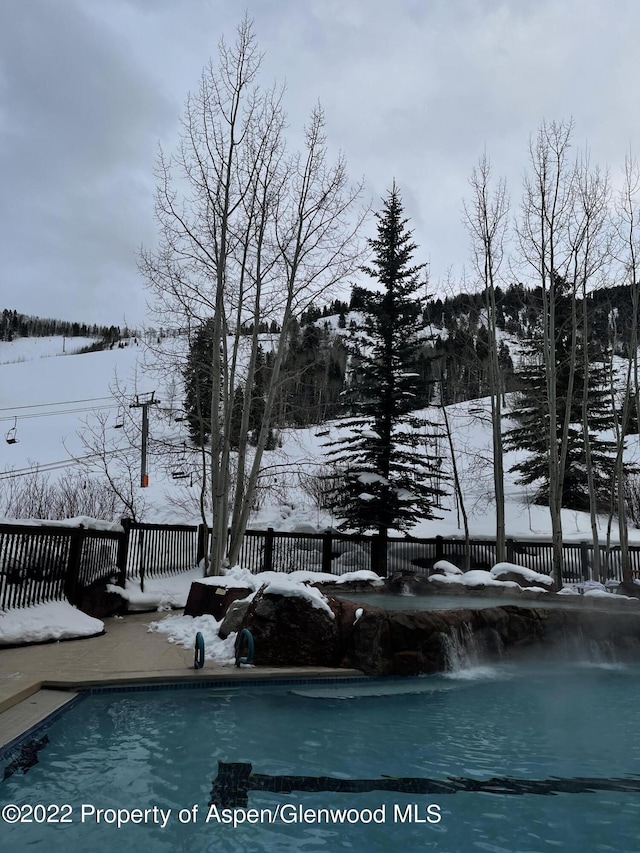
(15, 325)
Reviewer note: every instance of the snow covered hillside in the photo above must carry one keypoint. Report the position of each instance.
(50, 400)
(27, 349)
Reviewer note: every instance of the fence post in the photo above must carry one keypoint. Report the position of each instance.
(439, 548)
(201, 548)
(268, 550)
(326, 552)
(509, 544)
(123, 552)
(73, 565)
(584, 560)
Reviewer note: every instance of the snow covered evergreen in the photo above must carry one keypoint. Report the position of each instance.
(390, 470)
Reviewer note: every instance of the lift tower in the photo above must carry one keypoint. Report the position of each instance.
(143, 401)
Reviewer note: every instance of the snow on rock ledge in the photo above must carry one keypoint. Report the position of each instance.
(523, 576)
(473, 578)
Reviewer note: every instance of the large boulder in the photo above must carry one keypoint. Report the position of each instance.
(367, 642)
(296, 630)
(234, 617)
(629, 588)
(290, 630)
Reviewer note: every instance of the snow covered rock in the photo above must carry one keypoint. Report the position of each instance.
(630, 589)
(521, 575)
(290, 630)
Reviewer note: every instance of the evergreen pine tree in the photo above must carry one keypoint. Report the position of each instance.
(236, 416)
(533, 431)
(198, 384)
(390, 476)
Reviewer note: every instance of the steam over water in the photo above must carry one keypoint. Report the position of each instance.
(550, 726)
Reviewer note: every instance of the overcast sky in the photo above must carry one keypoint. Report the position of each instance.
(412, 90)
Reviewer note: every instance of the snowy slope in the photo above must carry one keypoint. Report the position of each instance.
(26, 349)
(53, 397)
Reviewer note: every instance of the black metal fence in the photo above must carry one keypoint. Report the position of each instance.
(334, 553)
(160, 549)
(47, 563)
(44, 563)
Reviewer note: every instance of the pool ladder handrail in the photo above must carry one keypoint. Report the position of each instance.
(198, 661)
(244, 634)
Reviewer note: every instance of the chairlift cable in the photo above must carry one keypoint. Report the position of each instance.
(59, 403)
(61, 412)
(52, 466)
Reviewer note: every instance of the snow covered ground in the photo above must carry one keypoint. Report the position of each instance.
(54, 399)
(28, 349)
(50, 400)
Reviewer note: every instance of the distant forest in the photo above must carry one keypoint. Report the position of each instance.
(16, 325)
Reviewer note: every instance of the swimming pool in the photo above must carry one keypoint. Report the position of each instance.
(290, 754)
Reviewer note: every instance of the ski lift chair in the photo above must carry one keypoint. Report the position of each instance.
(180, 473)
(11, 437)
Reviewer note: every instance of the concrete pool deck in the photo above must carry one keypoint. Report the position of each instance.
(36, 680)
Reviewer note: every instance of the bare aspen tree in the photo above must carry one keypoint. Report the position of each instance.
(628, 232)
(116, 457)
(315, 242)
(458, 493)
(486, 220)
(543, 238)
(591, 241)
(248, 233)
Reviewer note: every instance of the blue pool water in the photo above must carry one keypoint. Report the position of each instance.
(163, 748)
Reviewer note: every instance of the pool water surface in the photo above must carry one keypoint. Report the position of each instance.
(291, 753)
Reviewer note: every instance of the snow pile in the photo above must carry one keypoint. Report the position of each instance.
(79, 521)
(183, 629)
(501, 569)
(277, 583)
(55, 620)
(447, 567)
(284, 585)
(238, 576)
(480, 577)
(160, 593)
(473, 578)
(592, 588)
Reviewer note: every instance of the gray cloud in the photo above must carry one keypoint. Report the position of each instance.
(412, 90)
(80, 123)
